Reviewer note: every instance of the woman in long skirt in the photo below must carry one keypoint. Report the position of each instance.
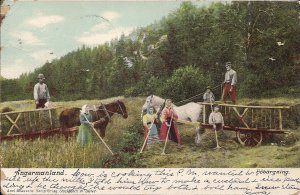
(168, 119)
(149, 122)
(84, 135)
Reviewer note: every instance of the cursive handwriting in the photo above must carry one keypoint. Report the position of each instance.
(151, 181)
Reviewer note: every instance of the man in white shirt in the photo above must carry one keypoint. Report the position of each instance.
(230, 82)
(216, 119)
(41, 92)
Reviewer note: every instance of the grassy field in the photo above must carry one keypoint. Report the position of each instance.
(125, 138)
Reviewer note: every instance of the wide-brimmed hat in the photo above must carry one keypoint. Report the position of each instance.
(228, 64)
(41, 76)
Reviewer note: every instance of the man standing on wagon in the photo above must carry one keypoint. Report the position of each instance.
(230, 82)
(41, 92)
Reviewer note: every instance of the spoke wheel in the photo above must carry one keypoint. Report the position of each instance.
(249, 138)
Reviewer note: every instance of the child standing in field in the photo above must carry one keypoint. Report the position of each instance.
(216, 119)
(84, 134)
(149, 122)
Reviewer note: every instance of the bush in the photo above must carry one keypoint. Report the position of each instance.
(184, 83)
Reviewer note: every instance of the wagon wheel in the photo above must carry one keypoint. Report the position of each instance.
(249, 138)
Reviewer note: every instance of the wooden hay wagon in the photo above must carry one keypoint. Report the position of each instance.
(30, 124)
(251, 123)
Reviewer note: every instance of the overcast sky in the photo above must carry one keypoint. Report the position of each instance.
(36, 31)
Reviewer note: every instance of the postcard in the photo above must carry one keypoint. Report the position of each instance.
(150, 97)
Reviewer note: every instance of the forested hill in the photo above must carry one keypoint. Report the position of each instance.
(180, 55)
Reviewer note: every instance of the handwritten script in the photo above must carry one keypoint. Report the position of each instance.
(151, 181)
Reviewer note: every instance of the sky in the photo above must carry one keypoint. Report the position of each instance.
(35, 32)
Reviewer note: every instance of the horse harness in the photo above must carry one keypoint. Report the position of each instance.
(108, 111)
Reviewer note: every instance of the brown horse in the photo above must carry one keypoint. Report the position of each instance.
(70, 117)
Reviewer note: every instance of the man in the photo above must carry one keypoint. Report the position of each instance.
(230, 84)
(208, 95)
(41, 92)
(216, 119)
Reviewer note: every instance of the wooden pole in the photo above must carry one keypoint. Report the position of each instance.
(261, 116)
(35, 125)
(17, 112)
(280, 119)
(14, 123)
(167, 137)
(204, 113)
(274, 118)
(256, 121)
(30, 124)
(225, 114)
(270, 117)
(50, 118)
(25, 123)
(100, 137)
(145, 141)
(265, 118)
(245, 106)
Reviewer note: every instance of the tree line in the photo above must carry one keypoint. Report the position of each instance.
(180, 55)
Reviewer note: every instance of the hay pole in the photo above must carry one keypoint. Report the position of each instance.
(215, 128)
(167, 137)
(99, 136)
(144, 144)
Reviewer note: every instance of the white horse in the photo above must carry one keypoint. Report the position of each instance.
(188, 112)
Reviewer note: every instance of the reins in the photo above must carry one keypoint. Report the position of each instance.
(106, 111)
(195, 96)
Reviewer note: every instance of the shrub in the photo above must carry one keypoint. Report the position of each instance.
(184, 83)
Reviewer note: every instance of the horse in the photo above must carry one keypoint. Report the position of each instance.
(102, 114)
(188, 112)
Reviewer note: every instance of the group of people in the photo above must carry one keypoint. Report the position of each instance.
(169, 116)
(229, 87)
(150, 121)
(168, 125)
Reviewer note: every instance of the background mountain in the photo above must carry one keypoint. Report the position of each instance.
(180, 55)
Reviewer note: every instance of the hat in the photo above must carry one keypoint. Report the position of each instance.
(208, 87)
(228, 64)
(41, 76)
